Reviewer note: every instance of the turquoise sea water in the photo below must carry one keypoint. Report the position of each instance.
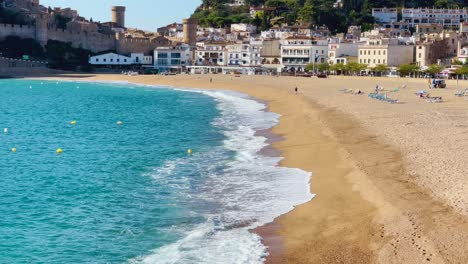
(131, 193)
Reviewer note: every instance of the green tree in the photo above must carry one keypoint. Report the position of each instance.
(16, 47)
(338, 68)
(381, 68)
(355, 67)
(408, 69)
(306, 13)
(433, 69)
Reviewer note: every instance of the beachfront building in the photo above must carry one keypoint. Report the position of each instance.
(297, 52)
(244, 54)
(172, 58)
(211, 53)
(339, 51)
(390, 52)
(449, 18)
(114, 59)
(385, 15)
(271, 55)
(437, 49)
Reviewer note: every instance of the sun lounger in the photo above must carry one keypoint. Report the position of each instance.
(436, 99)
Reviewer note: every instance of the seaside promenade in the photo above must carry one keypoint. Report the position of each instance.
(390, 179)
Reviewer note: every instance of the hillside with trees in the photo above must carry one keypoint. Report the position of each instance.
(336, 15)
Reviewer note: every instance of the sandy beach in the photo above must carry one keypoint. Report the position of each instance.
(390, 179)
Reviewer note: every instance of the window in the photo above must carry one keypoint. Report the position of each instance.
(162, 55)
(374, 52)
(125, 60)
(384, 52)
(379, 52)
(175, 55)
(383, 61)
(137, 59)
(360, 52)
(420, 55)
(112, 60)
(378, 61)
(97, 60)
(105, 60)
(118, 60)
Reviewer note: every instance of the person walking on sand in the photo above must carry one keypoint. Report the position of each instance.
(211, 80)
(296, 90)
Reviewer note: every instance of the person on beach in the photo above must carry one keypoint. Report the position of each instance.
(296, 90)
(211, 80)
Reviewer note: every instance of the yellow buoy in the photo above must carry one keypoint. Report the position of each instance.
(13, 150)
(59, 151)
(119, 123)
(189, 151)
(73, 122)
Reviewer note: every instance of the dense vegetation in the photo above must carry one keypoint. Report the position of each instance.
(60, 55)
(319, 12)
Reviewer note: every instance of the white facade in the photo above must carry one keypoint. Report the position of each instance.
(116, 59)
(171, 56)
(140, 58)
(243, 28)
(211, 53)
(110, 59)
(337, 51)
(463, 55)
(385, 15)
(450, 18)
(236, 3)
(297, 52)
(245, 54)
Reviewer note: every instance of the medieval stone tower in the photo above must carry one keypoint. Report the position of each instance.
(118, 16)
(190, 31)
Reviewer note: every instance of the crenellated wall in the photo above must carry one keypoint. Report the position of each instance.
(93, 41)
(21, 31)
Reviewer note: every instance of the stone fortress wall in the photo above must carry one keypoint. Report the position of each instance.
(93, 41)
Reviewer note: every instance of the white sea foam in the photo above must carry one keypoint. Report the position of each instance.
(250, 191)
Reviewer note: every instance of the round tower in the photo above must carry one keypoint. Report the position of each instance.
(190, 31)
(118, 16)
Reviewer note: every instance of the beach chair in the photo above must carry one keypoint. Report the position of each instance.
(436, 99)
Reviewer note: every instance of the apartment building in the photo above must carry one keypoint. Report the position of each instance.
(211, 53)
(297, 52)
(385, 15)
(172, 57)
(437, 49)
(339, 51)
(449, 18)
(388, 52)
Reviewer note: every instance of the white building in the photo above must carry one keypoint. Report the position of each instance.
(242, 27)
(297, 52)
(385, 15)
(388, 52)
(245, 54)
(339, 51)
(450, 18)
(113, 59)
(236, 3)
(172, 57)
(463, 55)
(211, 53)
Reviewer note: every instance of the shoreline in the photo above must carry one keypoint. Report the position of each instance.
(369, 208)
